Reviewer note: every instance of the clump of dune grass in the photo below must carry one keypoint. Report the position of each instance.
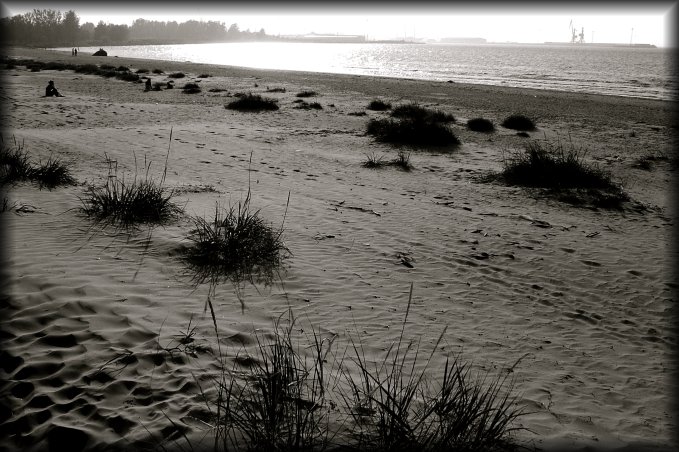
(357, 113)
(88, 68)
(157, 71)
(552, 165)
(191, 88)
(57, 66)
(177, 75)
(414, 125)
(275, 90)
(217, 90)
(127, 76)
(378, 105)
(309, 106)
(142, 71)
(306, 93)
(52, 173)
(396, 407)
(123, 69)
(125, 203)
(402, 161)
(236, 244)
(204, 76)
(16, 166)
(282, 403)
(374, 161)
(287, 394)
(253, 103)
(563, 172)
(519, 122)
(416, 112)
(481, 125)
(412, 132)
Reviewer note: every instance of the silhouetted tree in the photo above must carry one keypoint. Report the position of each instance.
(48, 27)
(70, 27)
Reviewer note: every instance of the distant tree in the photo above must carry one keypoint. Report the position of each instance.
(86, 32)
(111, 33)
(70, 28)
(45, 25)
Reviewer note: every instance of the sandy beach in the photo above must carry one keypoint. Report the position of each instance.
(577, 304)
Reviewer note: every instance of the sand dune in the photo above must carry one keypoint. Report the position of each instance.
(577, 304)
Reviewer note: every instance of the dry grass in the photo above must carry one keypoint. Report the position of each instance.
(519, 122)
(126, 203)
(16, 166)
(253, 103)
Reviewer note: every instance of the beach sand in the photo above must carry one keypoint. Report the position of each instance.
(576, 304)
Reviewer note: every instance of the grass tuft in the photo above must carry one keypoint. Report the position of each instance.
(481, 125)
(236, 244)
(564, 172)
(124, 204)
(395, 408)
(306, 93)
(88, 69)
(52, 173)
(253, 103)
(275, 90)
(550, 165)
(309, 106)
(401, 161)
(412, 131)
(379, 105)
(15, 166)
(282, 403)
(177, 75)
(416, 112)
(374, 161)
(127, 76)
(519, 122)
(191, 88)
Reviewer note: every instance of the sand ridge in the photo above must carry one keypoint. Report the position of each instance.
(581, 300)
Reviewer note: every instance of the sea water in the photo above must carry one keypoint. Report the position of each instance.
(618, 71)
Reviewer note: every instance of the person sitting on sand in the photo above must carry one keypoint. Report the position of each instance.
(51, 90)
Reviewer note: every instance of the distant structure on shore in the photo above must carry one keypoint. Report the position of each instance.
(579, 40)
(319, 37)
(601, 44)
(464, 40)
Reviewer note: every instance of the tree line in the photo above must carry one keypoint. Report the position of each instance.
(50, 28)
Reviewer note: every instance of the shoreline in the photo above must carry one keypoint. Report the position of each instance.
(244, 71)
(574, 303)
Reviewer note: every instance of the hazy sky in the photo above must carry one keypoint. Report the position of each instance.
(645, 22)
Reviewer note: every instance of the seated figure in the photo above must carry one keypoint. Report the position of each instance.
(51, 90)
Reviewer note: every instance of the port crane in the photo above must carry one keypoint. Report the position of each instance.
(577, 38)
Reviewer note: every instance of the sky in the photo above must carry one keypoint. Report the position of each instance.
(650, 22)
